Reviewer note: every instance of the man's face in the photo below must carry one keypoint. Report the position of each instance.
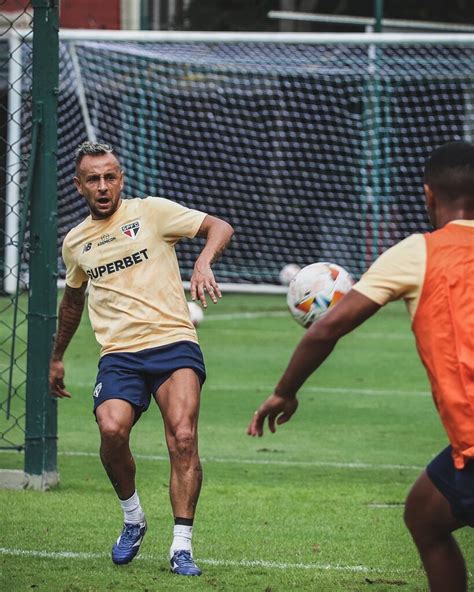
(100, 181)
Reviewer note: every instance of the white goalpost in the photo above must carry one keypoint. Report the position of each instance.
(311, 145)
(13, 164)
(285, 38)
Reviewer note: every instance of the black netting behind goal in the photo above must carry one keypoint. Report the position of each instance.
(312, 152)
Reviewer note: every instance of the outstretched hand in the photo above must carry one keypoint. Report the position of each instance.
(56, 380)
(276, 408)
(203, 281)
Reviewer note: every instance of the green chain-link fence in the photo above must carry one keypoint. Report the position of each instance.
(15, 95)
(28, 94)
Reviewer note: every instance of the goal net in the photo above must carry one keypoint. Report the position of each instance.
(312, 146)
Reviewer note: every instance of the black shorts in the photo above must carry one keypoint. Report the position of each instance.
(136, 376)
(457, 485)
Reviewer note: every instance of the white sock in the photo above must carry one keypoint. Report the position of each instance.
(132, 510)
(182, 536)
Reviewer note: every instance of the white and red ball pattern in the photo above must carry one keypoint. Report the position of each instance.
(315, 289)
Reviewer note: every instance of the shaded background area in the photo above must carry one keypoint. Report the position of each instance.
(239, 15)
(248, 15)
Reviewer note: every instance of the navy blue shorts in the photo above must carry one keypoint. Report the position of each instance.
(136, 376)
(457, 485)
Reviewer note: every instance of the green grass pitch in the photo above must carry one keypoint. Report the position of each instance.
(316, 506)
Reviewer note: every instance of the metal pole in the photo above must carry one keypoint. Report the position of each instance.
(41, 412)
(145, 15)
(375, 101)
(364, 21)
(378, 14)
(376, 141)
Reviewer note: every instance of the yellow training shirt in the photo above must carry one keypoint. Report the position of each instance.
(399, 272)
(136, 297)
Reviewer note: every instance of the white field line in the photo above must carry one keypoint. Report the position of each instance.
(397, 336)
(235, 316)
(309, 389)
(276, 314)
(245, 563)
(386, 506)
(259, 462)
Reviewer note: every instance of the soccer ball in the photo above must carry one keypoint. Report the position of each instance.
(195, 313)
(315, 289)
(287, 273)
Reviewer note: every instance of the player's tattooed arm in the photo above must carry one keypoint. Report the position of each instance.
(70, 313)
(69, 317)
(218, 234)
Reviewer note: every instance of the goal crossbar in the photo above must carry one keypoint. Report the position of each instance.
(231, 37)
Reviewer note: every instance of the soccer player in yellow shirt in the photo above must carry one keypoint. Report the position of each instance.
(124, 250)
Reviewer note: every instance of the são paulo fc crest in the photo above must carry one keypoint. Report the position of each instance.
(131, 229)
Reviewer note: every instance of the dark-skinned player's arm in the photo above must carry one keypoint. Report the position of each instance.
(218, 234)
(318, 342)
(69, 317)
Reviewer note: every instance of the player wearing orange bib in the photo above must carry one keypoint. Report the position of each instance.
(125, 252)
(434, 274)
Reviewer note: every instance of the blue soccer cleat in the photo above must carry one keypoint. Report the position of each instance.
(182, 563)
(128, 543)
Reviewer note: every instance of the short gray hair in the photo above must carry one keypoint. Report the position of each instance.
(92, 149)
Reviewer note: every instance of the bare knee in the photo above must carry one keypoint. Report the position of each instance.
(182, 443)
(418, 515)
(115, 419)
(113, 432)
(427, 514)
